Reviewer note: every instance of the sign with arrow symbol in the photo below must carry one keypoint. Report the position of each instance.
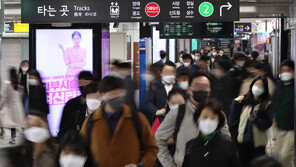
(228, 6)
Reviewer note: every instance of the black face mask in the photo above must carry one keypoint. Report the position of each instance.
(82, 90)
(116, 103)
(200, 95)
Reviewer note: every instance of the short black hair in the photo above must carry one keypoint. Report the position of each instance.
(163, 54)
(198, 52)
(289, 63)
(225, 64)
(177, 90)
(76, 33)
(110, 83)
(73, 142)
(184, 71)
(196, 75)
(239, 55)
(255, 54)
(204, 58)
(156, 67)
(91, 88)
(186, 57)
(216, 107)
(169, 64)
(86, 75)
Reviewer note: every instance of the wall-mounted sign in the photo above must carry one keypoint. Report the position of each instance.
(177, 30)
(92, 11)
(242, 27)
(21, 27)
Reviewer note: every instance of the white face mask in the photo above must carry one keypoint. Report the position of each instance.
(174, 107)
(183, 85)
(25, 68)
(93, 104)
(181, 60)
(186, 64)
(257, 91)
(33, 82)
(212, 59)
(197, 58)
(207, 126)
(37, 135)
(169, 79)
(72, 161)
(286, 76)
(240, 63)
(214, 53)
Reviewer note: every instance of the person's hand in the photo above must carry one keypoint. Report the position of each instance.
(161, 112)
(130, 165)
(240, 98)
(61, 47)
(171, 141)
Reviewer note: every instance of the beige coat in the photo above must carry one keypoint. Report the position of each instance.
(11, 107)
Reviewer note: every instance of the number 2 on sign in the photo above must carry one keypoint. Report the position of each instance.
(206, 10)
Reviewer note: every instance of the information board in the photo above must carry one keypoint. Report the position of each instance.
(242, 27)
(177, 30)
(99, 11)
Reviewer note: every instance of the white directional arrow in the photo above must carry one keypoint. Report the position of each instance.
(228, 6)
(247, 28)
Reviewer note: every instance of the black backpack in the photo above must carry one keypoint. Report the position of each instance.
(137, 124)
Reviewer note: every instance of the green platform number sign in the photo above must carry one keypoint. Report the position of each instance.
(206, 9)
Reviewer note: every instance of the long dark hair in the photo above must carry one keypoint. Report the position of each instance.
(13, 78)
(263, 99)
(22, 63)
(37, 75)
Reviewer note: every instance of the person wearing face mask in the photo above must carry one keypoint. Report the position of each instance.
(183, 77)
(38, 148)
(74, 152)
(198, 90)
(123, 71)
(204, 64)
(75, 110)
(180, 63)
(254, 114)
(117, 135)
(11, 107)
(163, 58)
(283, 106)
(93, 99)
(24, 82)
(156, 100)
(37, 93)
(222, 85)
(187, 63)
(209, 148)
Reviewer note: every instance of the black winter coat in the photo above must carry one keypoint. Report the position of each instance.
(219, 152)
(38, 99)
(74, 114)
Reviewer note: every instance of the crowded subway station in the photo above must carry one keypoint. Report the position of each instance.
(147, 83)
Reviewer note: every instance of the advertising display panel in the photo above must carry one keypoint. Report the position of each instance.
(60, 55)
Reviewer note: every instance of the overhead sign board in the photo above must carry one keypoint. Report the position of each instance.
(177, 30)
(242, 27)
(99, 11)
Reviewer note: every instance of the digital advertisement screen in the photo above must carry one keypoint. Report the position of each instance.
(214, 30)
(60, 55)
(105, 52)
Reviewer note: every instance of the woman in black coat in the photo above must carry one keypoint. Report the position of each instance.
(210, 148)
(37, 93)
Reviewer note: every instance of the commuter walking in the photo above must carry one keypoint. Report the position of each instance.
(157, 95)
(74, 152)
(37, 93)
(119, 136)
(284, 108)
(24, 82)
(210, 148)
(11, 107)
(255, 116)
(74, 111)
(38, 148)
(181, 125)
(93, 98)
(188, 63)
